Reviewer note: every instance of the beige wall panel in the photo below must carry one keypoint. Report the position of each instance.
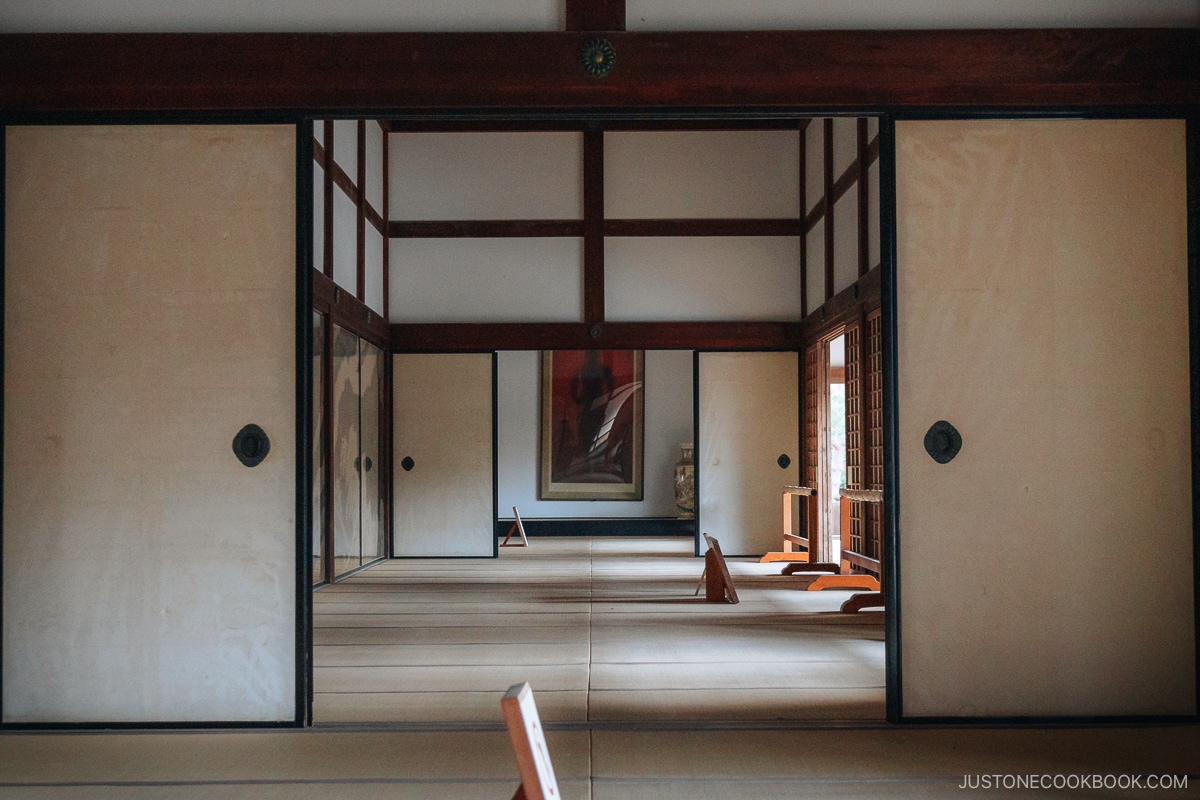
(845, 144)
(442, 419)
(373, 267)
(1042, 309)
(148, 575)
(873, 232)
(699, 174)
(749, 416)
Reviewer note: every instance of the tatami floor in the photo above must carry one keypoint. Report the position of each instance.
(603, 629)
(650, 693)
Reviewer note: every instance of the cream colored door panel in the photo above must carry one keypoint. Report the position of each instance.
(748, 419)
(443, 495)
(1042, 310)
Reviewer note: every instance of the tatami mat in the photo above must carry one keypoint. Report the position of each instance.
(612, 626)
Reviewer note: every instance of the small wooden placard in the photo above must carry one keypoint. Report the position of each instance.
(529, 745)
(517, 528)
(718, 585)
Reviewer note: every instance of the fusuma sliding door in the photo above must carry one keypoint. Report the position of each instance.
(748, 446)
(149, 532)
(443, 475)
(1042, 311)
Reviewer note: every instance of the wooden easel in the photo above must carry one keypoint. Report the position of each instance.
(517, 528)
(718, 585)
(529, 745)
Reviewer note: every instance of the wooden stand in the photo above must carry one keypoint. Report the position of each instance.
(529, 745)
(793, 541)
(517, 528)
(718, 585)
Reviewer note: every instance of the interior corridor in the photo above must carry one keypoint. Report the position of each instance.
(605, 630)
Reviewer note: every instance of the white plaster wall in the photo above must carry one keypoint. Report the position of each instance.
(815, 270)
(873, 231)
(701, 174)
(148, 575)
(515, 15)
(845, 240)
(814, 163)
(668, 410)
(345, 146)
(486, 280)
(280, 15)
(461, 176)
(702, 278)
(318, 217)
(845, 144)
(373, 263)
(375, 165)
(345, 241)
(839, 14)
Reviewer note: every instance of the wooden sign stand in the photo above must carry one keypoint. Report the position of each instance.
(718, 585)
(529, 745)
(517, 528)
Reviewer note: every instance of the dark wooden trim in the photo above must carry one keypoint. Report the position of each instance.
(348, 311)
(861, 165)
(3, 371)
(802, 219)
(1193, 233)
(318, 152)
(593, 226)
(815, 216)
(702, 227)
(327, 194)
(383, 230)
(595, 15)
(889, 579)
(625, 526)
(360, 222)
(304, 423)
(830, 202)
(821, 71)
(540, 123)
(863, 294)
(488, 229)
(473, 337)
(484, 229)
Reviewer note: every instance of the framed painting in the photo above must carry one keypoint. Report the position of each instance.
(592, 419)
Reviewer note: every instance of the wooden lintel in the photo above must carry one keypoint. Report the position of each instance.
(863, 293)
(475, 337)
(477, 73)
(348, 311)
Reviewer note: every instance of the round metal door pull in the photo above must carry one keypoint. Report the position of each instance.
(251, 445)
(783, 461)
(942, 442)
(408, 463)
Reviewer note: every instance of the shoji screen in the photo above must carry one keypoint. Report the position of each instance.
(150, 314)
(1043, 311)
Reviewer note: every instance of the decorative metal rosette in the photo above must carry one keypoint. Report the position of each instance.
(597, 57)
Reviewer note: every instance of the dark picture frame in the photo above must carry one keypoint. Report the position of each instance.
(592, 413)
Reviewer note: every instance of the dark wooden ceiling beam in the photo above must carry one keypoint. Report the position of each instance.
(364, 73)
(595, 15)
(468, 337)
